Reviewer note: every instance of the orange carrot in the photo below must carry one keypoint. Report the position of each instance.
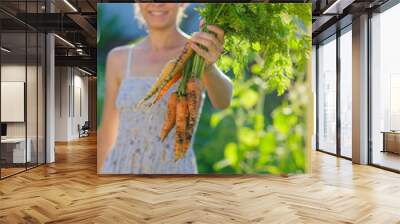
(179, 64)
(170, 117)
(181, 123)
(193, 90)
(169, 72)
(166, 74)
(183, 57)
(165, 88)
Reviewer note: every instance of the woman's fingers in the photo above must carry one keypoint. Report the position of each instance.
(203, 53)
(212, 54)
(214, 44)
(209, 41)
(218, 31)
(208, 57)
(206, 39)
(202, 22)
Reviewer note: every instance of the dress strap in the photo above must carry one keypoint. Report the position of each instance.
(128, 67)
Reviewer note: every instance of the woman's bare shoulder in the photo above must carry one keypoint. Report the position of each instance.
(116, 61)
(119, 52)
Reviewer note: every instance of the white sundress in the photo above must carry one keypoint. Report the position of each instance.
(138, 149)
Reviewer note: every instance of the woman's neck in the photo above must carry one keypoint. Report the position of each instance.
(165, 38)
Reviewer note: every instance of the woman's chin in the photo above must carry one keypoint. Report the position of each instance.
(159, 24)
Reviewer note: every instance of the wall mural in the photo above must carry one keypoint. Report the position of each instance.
(202, 88)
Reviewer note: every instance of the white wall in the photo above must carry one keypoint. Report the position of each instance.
(12, 73)
(13, 100)
(70, 84)
(80, 88)
(61, 103)
(33, 127)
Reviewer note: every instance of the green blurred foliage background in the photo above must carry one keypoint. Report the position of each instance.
(262, 131)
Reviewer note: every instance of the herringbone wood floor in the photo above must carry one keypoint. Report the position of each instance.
(69, 191)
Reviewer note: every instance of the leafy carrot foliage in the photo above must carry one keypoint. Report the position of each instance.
(277, 33)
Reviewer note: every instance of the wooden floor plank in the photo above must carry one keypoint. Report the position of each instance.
(70, 191)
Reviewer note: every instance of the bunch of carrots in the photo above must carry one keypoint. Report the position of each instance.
(183, 105)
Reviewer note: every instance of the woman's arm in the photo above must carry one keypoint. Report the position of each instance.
(219, 86)
(110, 121)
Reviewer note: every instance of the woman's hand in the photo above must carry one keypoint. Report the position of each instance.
(213, 42)
(219, 86)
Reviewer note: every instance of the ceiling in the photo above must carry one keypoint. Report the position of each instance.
(331, 15)
(74, 22)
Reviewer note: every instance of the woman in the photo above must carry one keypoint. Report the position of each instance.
(129, 139)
